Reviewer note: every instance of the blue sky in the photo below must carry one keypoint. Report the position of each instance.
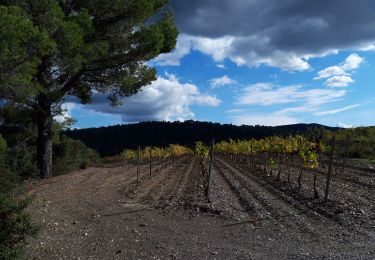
(266, 73)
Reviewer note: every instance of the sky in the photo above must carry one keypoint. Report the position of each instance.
(265, 62)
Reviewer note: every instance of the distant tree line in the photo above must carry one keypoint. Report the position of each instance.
(113, 140)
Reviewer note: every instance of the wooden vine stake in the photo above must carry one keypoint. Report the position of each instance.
(125, 162)
(333, 143)
(150, 162)
(346, 155)
(210, 167)
(138, 162)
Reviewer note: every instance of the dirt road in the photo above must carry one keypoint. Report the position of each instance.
(102, 213)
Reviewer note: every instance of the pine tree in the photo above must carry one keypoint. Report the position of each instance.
(51, 49)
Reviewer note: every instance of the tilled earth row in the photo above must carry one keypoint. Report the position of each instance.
(280, 214)
(351, 197)
(179, 184)
(105, 213)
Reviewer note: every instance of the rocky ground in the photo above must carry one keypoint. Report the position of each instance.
(104, 213)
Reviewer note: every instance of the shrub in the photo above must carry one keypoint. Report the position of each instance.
(71, 155)
(15, 226)
(21, 161)
(9, 182)
(3, 147)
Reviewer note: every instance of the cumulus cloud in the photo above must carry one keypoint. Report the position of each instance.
(270, 94)
(340, 75)
(183, 47)
(339, 81)
(250, 51)
(329, 72)
(217, 48)
(352, 62)
(335, 111)
(222, 81)
(283, 34)
(165, 99)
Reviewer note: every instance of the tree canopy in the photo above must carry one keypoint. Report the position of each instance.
(51, 49)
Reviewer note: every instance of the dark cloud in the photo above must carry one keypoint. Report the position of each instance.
(301, 27)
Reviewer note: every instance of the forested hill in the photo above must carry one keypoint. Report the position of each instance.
(112, 140)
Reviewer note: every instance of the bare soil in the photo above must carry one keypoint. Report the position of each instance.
(104, 213)
(351, 195)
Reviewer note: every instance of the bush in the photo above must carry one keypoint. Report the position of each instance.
(17, 163)
(3, 148)
(9, 183)
(15, 226)
(21, 161)
(71, 155)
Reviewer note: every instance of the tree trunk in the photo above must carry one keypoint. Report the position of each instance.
(44, 147)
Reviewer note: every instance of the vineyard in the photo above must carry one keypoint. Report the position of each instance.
(235, 198)
(309, 175)
(314, 174)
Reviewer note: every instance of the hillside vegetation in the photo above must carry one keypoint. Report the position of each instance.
(112, 140)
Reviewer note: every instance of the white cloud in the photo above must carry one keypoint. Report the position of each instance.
(368, 47)
(329, 72)
(344, 125)
(66, 112)
(183, 48)
(352, 62)
(299, 109)
(335, 111)
(254, 51)
(222, 81)
(270, 94)
(305, 101)
(251, 51)
(235, 110)
(286, 61)
(165, 99)
(263, 119)
(220, 66)
(339, 81)
(216, 48)
(339, 76)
